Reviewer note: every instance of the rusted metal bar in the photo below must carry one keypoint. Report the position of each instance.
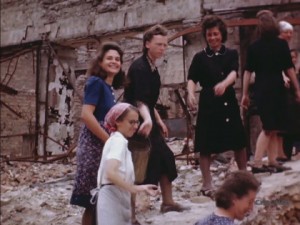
(35, 159)
(11, 109)
(183, 60)
(174, 85)
(52, 139)
(7, 89)
(45, 129)
(37, 104)
(13, 135)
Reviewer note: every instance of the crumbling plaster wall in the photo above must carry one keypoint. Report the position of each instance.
(74, 18)
(85, 24)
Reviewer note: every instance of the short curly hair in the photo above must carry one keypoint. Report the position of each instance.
(211, 21)
(236, 185)
(154, 30)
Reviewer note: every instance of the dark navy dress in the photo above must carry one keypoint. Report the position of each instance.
(268, 58)
(219, 126)
(89, 150)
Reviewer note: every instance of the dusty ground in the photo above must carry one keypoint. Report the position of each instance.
(33, 193)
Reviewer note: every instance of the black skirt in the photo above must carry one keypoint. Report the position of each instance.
(219, 126)
(161, 159)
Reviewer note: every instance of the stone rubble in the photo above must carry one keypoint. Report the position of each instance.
(34, 193)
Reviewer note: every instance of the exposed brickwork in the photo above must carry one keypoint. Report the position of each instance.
(11, 124)
(70, 22)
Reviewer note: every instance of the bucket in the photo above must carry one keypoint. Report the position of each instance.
(140, 150)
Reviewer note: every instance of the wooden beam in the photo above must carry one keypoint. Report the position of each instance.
(230, 23)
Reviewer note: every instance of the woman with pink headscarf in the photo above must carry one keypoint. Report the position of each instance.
(116, 171)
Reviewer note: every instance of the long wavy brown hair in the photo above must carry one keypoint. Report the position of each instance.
(96, 70)
(267, 26)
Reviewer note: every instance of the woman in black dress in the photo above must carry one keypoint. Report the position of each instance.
(219, 126)
(268, 57)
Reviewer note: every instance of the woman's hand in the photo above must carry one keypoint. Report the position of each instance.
(219, 89)
(164, 128)
(245, 102)
(145, 128)
(191, 100)
(287, 81)
(150, 189)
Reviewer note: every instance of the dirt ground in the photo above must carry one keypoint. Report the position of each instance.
(34, 194)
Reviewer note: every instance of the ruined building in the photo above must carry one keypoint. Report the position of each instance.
(46, 46)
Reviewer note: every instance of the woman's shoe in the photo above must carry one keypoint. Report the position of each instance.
(208, 193)
(279, 168)
(282, 160)
(263, 169)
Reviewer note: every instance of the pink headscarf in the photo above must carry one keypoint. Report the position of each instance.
(113, 114)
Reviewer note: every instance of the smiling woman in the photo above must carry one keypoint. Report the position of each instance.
(215, 69)
(116, 171)
(105, 74)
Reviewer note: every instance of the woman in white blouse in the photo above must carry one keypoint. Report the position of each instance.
(116, 172)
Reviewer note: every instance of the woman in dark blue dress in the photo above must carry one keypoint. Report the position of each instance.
(219, 126)
(104, 75)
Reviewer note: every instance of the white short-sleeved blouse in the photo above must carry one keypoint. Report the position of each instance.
(116, 147)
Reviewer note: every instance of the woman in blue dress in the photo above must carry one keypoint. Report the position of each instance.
(105, 74)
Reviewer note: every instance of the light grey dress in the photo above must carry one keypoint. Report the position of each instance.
(113, 203)
(113, 207)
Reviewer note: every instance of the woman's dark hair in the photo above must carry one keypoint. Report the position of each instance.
(130, 108)
(214, 21)
(267, 27)
(96, 70)
(155, 30)
(236, 185)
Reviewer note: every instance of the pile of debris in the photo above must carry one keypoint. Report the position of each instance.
(35, 193)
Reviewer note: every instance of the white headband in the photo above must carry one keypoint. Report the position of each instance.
(284, 26)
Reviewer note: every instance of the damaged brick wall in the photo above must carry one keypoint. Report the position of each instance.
(83, 25)
(18, 122)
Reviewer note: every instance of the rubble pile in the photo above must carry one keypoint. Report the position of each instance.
(278, 202)
(34, 193)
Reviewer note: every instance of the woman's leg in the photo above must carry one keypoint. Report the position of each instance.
(205, 161)
(166, 190)
(280, 152)
(262, 145)
(275, 145)
(87, 217)
(287, 144)
(241, 159)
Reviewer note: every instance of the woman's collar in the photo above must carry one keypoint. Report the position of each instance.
(210, 53)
